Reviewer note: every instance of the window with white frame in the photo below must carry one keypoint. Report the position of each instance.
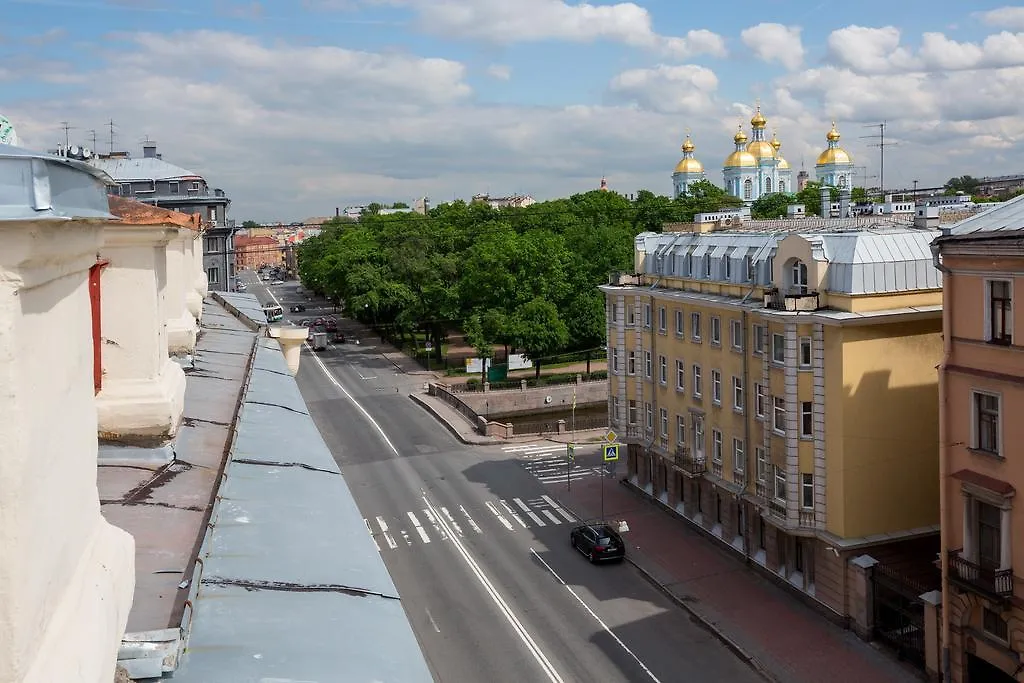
(647, 364)
(615, 360)
(698, 435)
(807, 491)
(649, 415)
(716, 445)
(716, 386)
(664, 423)
(780, 483)
(806, 419)
(632, 412)
(999, 311)
(987, 422)
(647, 315)
(779, 414)
(697, 384)
(680, 430)
(760, 339)
(680, 375)
(986, 521)
(716, 330)
(695, 326)
(662, 370)
(737, 393)
(798, 277)
(761, 458)
(616, 408)
(738, 455)
(727, 265)
(805, 352)
(631, 363)
(662, 319)
(778, 348)
(736, 334)
(213, 275)
(679, 323)
(760, 400)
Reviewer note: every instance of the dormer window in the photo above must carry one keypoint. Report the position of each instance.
(798, 277)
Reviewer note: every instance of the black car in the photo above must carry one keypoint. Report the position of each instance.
(298, 308)
(331, 325)
(598, 542)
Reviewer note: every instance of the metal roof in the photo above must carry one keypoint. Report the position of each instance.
(125, 170)
(1007, 217)
(34, 185)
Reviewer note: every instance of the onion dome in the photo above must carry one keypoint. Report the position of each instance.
(741, 158)
(834, 154)
(688, 164)
(777, 145)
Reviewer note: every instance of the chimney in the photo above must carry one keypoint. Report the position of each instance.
(826, 201)
(844, 202)
(149, 150)
(337, 212)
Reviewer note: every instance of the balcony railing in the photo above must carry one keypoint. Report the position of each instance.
(684, 461)
(777, 508)
(806, 519)
(739, 478)
(716, 468)
(760, 489)
(993, 583)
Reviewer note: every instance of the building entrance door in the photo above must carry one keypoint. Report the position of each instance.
(982, 671)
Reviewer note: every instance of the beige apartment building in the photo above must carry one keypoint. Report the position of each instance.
(982, 447)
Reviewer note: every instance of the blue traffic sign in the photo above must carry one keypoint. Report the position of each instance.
(611, 452)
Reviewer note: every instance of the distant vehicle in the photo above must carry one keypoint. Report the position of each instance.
(331, 325)
(305, 322)
(277, 282)
(298, 308)
(319, 341)
(241, 287)
(273, 312)
(598, 542)
(339, 337)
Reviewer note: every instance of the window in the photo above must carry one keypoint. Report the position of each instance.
(648, 416)
(211, 245)
(680, 430)
(779, 414)
(707, 267)
(632, 412)
(737, 393)
(759, 339)
(748, 268)
(760, 400)
(616, 412)
(631, 315)
(647, 315)
(767, 185)
(748, 189)
(737, 455)
(695, 326)
(807, 491)
(806, 419)
(780, 483)
(615, 311)
(990, 536)
(995, 625)
(805, 352)
(664, 423)
(986, 422)
(1000, 312)
(736, 334)
(680, 375)
(615, 360)
(631, 363)
(647, 364)
(716, 330)
(662, 370)
(798, 277)
(662, 319)
(698, 436)
(213, 275)
(762, 464)
(172, 187)
(679, 323)
(727, 265)
(696, 382)
(716, 386)
(778, 348)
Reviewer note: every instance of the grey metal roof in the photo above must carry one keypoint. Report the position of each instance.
(34, 185)
(292, 587)
(1007, 217)
(143, 168)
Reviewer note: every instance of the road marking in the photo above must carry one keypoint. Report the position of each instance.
(405, 535)
(472, 524)
(451, 520)
(529, 513)
(384, 530)
(515, 516)
(558, 508)
(375, 544)
(517, 625)
(547, 513)
(432, 622)
(492, 508)
(433, 522)
(598, 619)
(420, 529)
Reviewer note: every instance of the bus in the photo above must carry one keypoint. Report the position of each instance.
(274, 313)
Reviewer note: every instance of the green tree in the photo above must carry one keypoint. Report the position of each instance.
(771, 205)
(858, 194)
(539, 331)
(705, 197)
(249, 225)
(584, 317)
(477, 338)
(810, 197)
(399, 205)
(965, 183)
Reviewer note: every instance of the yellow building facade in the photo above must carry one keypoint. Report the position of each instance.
(775, 383)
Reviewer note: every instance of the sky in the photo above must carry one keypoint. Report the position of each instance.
(297, 107)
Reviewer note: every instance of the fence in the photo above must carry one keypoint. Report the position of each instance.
(521, 384)
(454, 401)
(560, 425)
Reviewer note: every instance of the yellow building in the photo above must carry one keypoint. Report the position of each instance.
(775, 383)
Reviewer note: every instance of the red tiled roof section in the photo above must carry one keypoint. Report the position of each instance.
(137, 213)
(259, 240)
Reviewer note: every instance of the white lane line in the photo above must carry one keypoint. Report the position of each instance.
(492, 508)
(451, 520)
(547, 513)
(432, 622)
(529, 513)
(573, 593)
(472, 524)
(514, 515)
(558, 508)
(420, 529)
(384, 530)
(524, 635)
(433, 522)
(368, 529)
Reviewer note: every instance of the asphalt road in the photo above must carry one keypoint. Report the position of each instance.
(480, 554)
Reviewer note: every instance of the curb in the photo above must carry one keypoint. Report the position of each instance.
(451, 428)
(737, 649)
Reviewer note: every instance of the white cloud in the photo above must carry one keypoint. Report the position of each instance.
(775, 43)
(878, 51)
(1007, 18)
(501, 72)
(684, 89)
(869, 50)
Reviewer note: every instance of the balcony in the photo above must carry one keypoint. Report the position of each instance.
(739, 478)
(793, 299)
(716, 468)
(991, 583)
(777, 508)
(806, 520)
(688, 464)
(760, 489)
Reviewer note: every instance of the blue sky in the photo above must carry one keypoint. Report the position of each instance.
(297, 107)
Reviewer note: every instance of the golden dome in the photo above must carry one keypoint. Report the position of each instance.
(690, 165)
(776, 144)
(687, 144)
(740, 136)
(834, 155)
(740, 158)
(761, 149)
(833, 135)
(783, 164)
(758, 120)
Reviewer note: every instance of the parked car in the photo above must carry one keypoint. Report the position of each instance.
(598, 542)
(331, 325)
(277, 282)
(298, 308)
(305, 322)
(339, 337)
(319, 321)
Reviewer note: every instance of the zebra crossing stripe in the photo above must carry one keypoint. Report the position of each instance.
(451, 520)
(529, 513)
(370, 531)
(510, 511)
(469, 519)
(558, 508)
(549, 515)
(433, 522)
(384, 530)
(507, 524)
(416, 523)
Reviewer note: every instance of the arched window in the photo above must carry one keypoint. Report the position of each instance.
(798, 277)
(748, 189)
(767, 185)
(782, 186)
(842, 181)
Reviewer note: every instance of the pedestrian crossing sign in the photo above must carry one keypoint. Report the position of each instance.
(611, 452)
(570, 451)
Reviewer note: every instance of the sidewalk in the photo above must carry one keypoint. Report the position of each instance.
(779, 636)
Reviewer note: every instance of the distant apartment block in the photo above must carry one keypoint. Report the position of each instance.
(252, 253)
(991, 186)
(517, 201)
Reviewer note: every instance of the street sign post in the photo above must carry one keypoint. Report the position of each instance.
(570, 458)
(611, 452)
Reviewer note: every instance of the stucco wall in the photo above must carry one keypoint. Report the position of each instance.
(504, 402)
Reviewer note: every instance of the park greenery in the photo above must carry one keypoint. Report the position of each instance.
(519, 278)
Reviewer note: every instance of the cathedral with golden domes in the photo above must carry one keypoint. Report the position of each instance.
(756, 167)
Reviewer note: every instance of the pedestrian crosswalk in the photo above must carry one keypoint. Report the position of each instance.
(435, 525)
(548, 462)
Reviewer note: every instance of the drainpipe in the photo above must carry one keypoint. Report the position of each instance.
(947, 315)
(746, 436)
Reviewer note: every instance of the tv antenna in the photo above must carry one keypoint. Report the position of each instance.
(110, 126)
(67, 128)
(881, 145)
(92, 136)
